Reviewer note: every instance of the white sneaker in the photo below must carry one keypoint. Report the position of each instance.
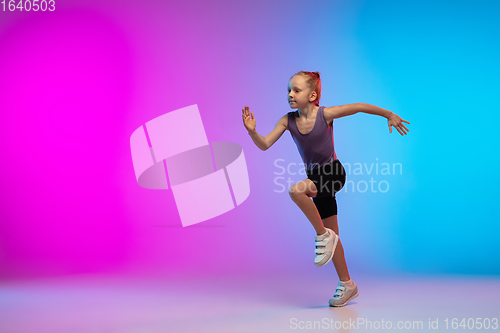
(325, 247)
(345, 292)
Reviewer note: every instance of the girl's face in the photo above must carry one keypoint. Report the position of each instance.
(299, 93)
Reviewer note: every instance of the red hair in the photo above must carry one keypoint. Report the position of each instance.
(313, 81)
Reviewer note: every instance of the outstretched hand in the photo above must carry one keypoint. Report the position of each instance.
(397, 122)
(248, 119)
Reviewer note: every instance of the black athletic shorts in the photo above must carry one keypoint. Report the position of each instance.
(329, 179)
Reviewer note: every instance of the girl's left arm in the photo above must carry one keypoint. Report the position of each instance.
(350, 109)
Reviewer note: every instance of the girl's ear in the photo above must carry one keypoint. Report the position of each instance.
(314, 96)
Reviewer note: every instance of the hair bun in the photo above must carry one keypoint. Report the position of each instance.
(316, 73)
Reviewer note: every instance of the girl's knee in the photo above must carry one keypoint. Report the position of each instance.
(294, 191)
(299, 189)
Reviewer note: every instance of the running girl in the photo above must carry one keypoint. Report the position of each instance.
(311, 127)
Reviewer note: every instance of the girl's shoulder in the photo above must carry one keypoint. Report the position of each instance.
(286, 117)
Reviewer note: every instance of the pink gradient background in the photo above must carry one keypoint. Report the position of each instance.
(75, 84)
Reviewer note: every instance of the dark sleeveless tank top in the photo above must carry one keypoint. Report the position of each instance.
(316, 147)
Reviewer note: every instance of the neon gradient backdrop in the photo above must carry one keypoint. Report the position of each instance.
(76, 82)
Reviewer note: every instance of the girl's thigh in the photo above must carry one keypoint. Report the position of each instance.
(329, 180)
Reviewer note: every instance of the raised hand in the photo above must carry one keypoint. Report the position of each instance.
(397, 122)
(248, 119)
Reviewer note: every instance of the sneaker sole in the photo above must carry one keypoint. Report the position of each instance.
(333, 252)
(350, 299)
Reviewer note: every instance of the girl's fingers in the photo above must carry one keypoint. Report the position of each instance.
(405, 121)
(401, 126)
(399, 131)
(253, 115)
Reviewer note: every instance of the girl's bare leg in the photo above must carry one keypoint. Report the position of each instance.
(338, 256)
(300, 193)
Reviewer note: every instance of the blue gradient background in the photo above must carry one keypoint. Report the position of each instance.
(435, 63)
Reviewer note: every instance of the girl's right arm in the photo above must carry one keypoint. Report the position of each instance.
(264, 143)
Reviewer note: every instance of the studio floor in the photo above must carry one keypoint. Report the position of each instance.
(125, 304)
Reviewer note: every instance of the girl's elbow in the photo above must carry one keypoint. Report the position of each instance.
(266, 145)
(360, 107)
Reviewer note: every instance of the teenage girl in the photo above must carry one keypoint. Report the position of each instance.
(311, 127)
